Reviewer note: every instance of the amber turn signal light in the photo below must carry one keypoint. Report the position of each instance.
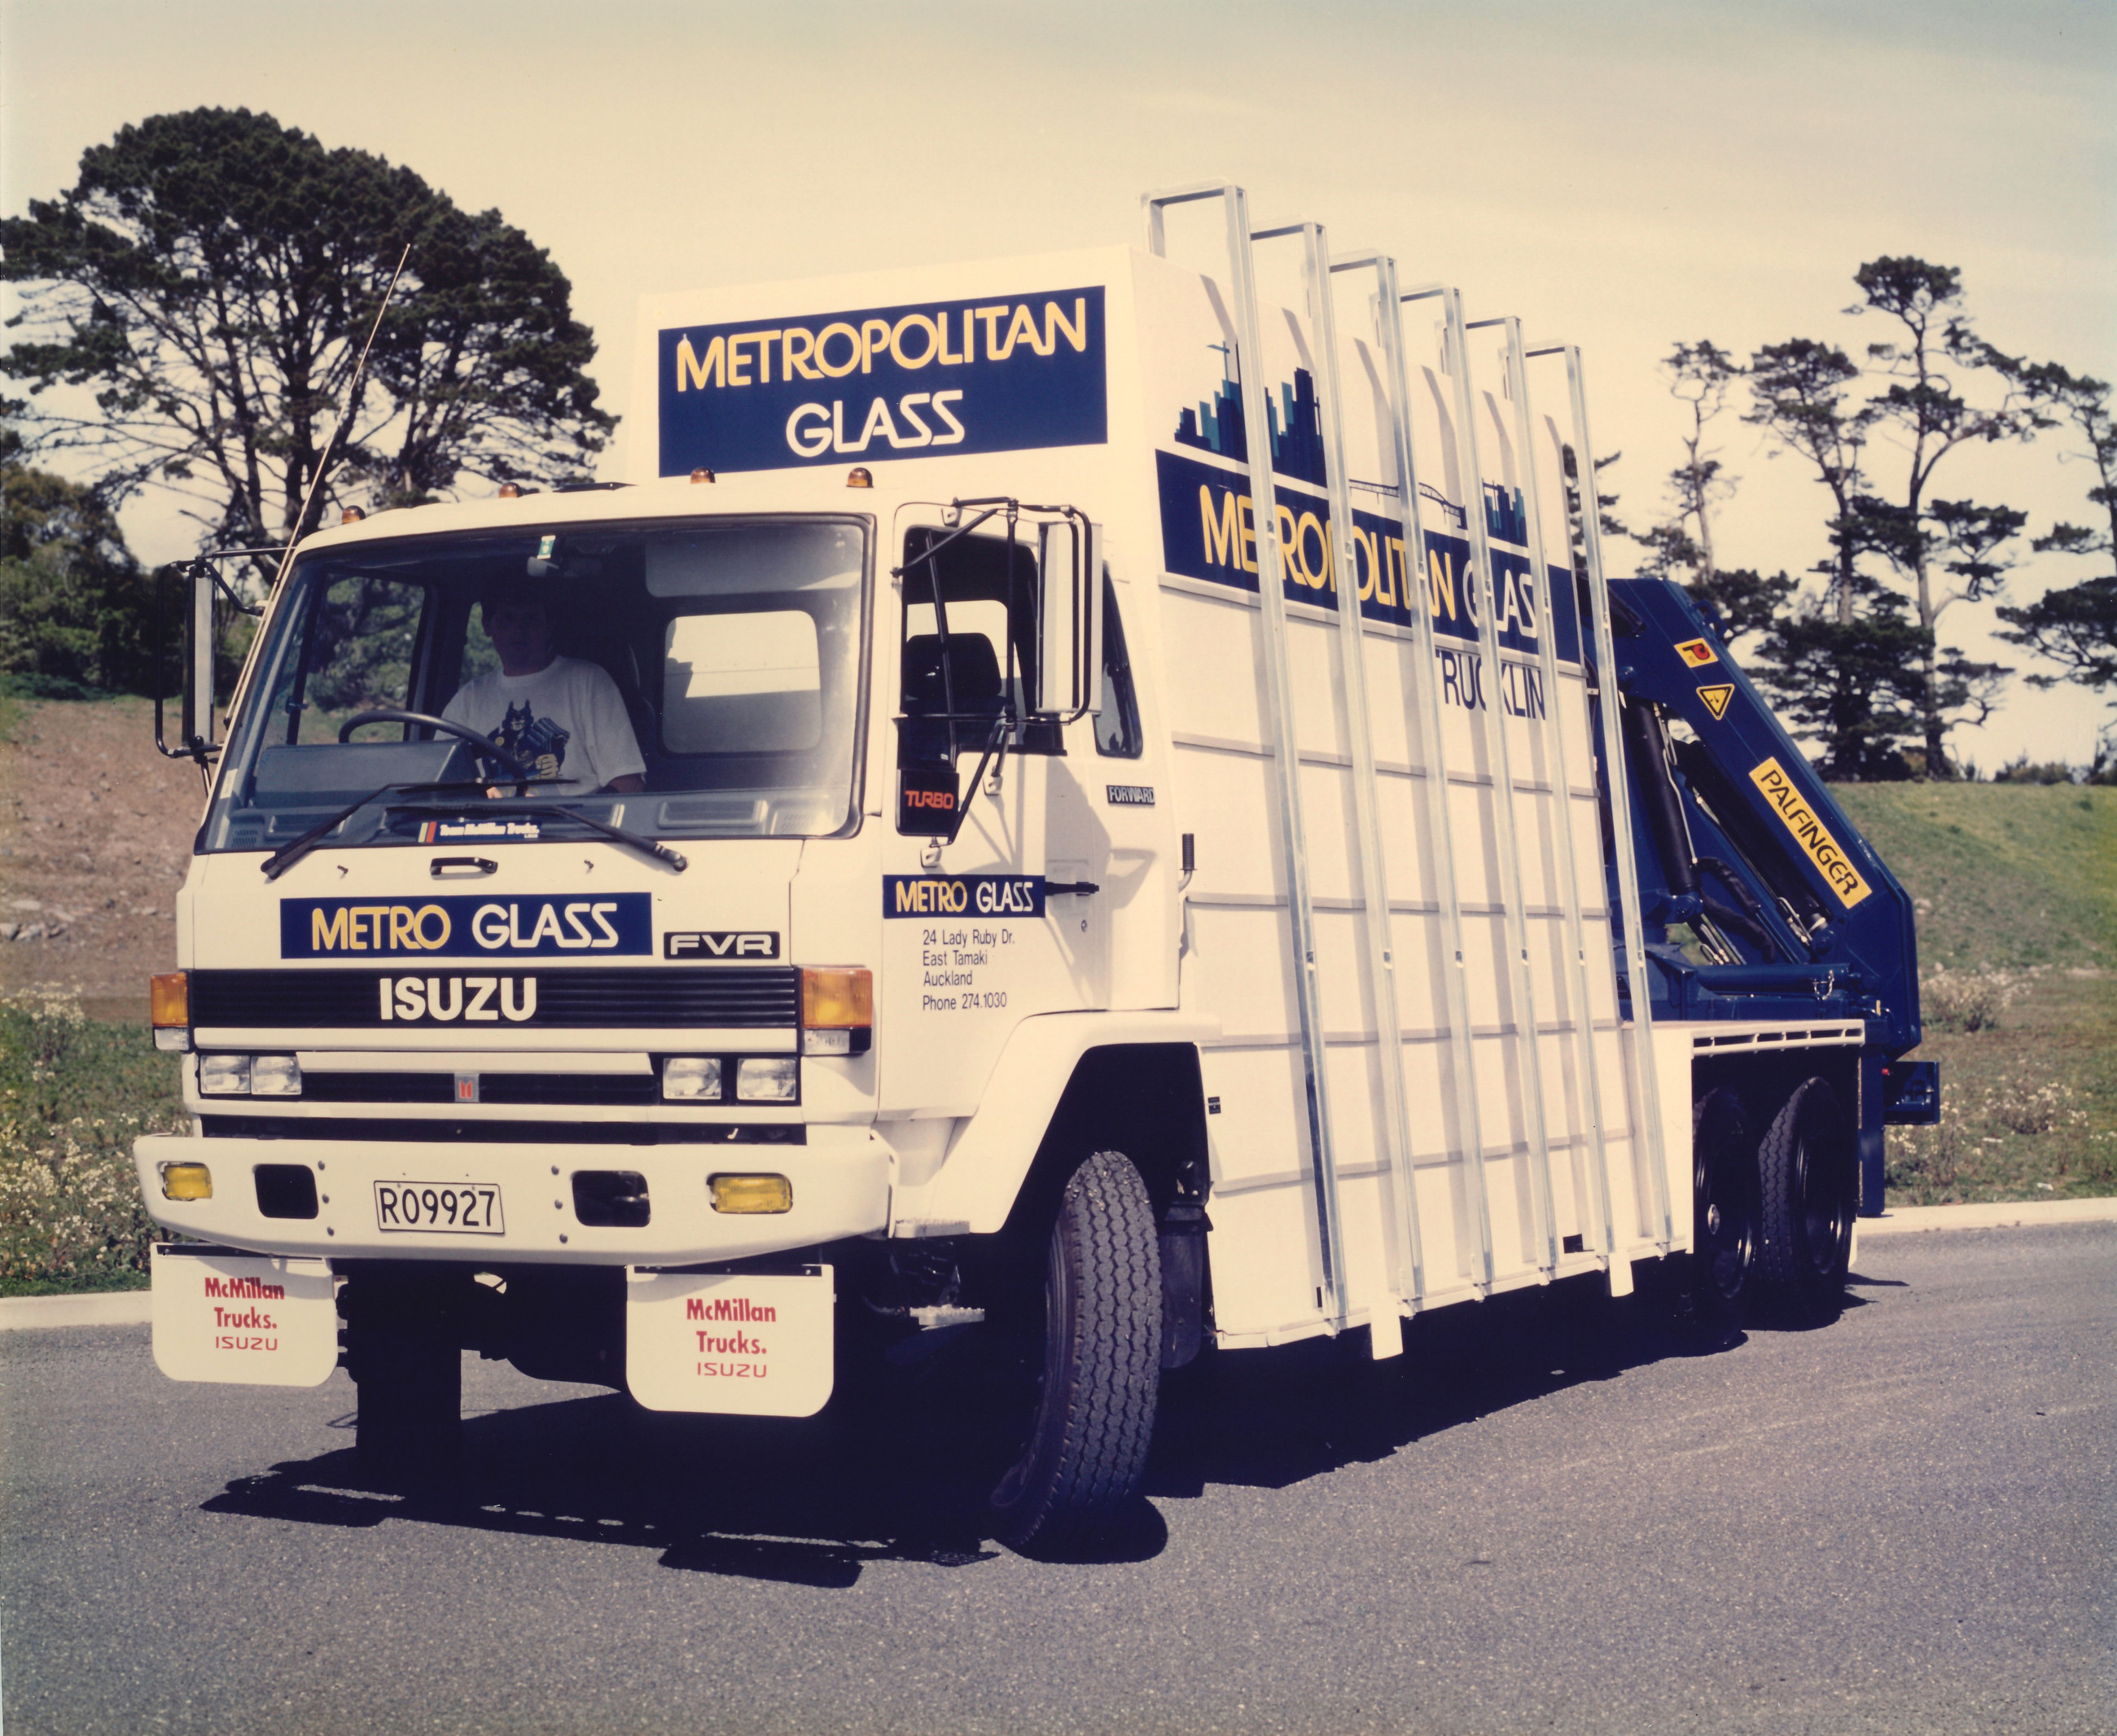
(186, 1181)
(169, 1000)
(836, 998)
(859, 476)
(751, 1193)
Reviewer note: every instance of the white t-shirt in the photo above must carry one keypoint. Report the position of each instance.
(567, 717)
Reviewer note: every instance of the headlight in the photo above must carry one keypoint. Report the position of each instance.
(275, 1076)
(224, 1075)
(768, 1079)
(694, 1078)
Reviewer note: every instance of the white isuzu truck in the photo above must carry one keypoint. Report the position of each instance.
(1096, 809)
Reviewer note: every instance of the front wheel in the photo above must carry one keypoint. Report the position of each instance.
(402, 1350)
(1809, 1179)
(1086, 1456)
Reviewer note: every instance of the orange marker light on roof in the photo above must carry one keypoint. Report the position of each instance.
(859, 476)
(703, 475)
(351, 515)
(511, 491)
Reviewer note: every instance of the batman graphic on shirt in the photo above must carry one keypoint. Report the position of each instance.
(530, 738)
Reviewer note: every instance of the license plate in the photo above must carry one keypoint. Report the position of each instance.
(445, 1207)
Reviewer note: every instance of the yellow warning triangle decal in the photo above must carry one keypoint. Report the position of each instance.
(1717, 698)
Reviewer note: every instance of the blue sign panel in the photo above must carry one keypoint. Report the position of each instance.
(616, 925)
(937, 379)
(1209, 531)
(962, 895)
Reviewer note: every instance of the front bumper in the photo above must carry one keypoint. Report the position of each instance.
(840, 1180)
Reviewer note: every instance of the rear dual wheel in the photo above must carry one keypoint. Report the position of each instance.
(1808, 1177)
(1085, 1458)
(1726, 1212)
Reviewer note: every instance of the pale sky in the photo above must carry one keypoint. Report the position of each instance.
(1621, 177)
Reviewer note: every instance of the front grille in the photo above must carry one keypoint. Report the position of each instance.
(452, 1130)
(738, 997)
(492, 1088)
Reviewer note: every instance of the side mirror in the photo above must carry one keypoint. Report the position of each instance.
(1069, 617)
(194, 737)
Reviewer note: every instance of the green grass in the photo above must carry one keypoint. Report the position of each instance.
(74, 1094)
(2016, 886)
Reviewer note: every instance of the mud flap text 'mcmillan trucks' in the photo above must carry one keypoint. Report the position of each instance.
(1077, 805)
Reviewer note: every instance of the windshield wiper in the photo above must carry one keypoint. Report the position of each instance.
(287, 854)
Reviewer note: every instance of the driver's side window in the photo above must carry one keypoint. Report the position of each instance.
(357, 653)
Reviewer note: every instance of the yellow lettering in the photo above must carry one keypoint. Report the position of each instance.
(947, 360)
(764, 340)
(1075, 329)
(1810, 833)
(327, 937)
(798, 360)
(1022, 329)
(874, 335)
(992, 316)
(1440, 569)
(690, 371)
(403, 933)
(908, 897)
(823, 349)
(1287, 570)
(914, 322)
(419, 927)
(1223, 530)
(737, 361)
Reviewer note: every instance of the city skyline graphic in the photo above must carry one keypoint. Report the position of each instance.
(1218, 426)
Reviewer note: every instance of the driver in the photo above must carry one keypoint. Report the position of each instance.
(561, 712)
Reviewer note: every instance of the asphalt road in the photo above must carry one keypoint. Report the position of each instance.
(1905, 1523)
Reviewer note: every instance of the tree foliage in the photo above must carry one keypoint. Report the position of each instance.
(1807, 395)
(2075, 627)
(209, 280)
(75, 611)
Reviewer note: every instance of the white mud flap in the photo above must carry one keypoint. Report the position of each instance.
(736, 1344)
(246, 1319)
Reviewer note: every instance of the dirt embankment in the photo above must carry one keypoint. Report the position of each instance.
(95, 834)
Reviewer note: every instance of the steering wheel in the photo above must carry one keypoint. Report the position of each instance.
(512, 763)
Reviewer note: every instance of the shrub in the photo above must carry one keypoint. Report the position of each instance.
(74, 1096)
(1968, 1000)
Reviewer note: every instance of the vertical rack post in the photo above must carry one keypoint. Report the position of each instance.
(1576, 945)
(1645, 1072)
(1514, 913)
(1279, 689)
(1440, 832)
(1407, 1262)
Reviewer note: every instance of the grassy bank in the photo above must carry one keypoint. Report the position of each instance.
(74, 1092)
(2016, 886)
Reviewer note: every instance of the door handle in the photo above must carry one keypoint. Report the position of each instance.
(451, 867)
(1081, 889)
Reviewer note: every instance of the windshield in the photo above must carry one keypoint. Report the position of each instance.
(694, 679)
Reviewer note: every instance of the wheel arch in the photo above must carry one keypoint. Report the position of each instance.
(1065, 1086)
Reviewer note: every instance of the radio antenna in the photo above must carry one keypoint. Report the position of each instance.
(344, 422)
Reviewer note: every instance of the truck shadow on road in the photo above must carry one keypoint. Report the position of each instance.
(901, 1474)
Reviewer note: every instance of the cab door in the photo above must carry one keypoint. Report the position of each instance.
(974, 940)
